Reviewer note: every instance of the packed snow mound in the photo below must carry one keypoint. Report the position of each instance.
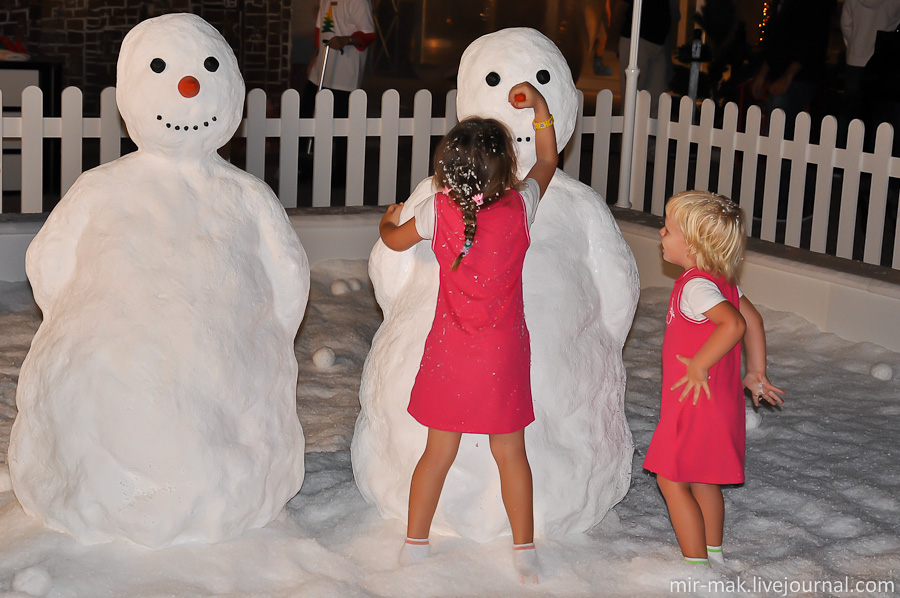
(158, 400)
(581, 288)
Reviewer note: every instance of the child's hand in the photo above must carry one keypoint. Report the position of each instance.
(761, 389)
(392, 215)
(696, 379)
(524, 95)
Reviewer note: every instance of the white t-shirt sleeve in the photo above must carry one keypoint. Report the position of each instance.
(531, 194)
(360, 17)
(424, 214)
(698, 296)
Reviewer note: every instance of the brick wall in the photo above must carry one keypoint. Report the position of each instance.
(87, 34)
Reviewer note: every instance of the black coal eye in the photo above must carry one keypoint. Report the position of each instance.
(211, 64)
(543, 76)
(492, 79)
(157, 65)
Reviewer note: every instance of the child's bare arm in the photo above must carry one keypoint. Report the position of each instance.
(524, 95)
(395, 235)
(729, 330)
(755, 350)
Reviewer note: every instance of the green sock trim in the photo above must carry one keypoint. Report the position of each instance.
(713, 549)
(694, 561)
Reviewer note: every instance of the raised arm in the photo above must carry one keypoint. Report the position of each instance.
(755, 351)
(522, 96)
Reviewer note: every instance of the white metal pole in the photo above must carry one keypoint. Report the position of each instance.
(628, 102)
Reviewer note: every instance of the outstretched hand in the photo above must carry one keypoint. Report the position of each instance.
(524, 95)
(761, 389)
(695, 379)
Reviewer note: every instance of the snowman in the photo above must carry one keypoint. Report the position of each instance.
(581, 289)
(158, 400)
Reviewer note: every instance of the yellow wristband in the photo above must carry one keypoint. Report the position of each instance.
(543, 124)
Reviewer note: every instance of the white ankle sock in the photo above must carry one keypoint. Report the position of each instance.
(414, 551)
(715, 554)
(695, 561)
(526, 563)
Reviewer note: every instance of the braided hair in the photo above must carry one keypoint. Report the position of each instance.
(475, 163)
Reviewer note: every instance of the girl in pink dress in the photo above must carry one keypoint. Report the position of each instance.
(475, 374)
(699, 445)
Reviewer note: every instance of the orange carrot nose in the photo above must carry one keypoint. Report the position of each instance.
(519, 97)
(188, 87)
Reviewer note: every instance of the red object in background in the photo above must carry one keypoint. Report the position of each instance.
(519, 97)
(188, 87)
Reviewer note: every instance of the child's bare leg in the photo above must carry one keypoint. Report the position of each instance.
(686, 516)
(428, 480)
(712, 505)
(515, 483)
(517, 492)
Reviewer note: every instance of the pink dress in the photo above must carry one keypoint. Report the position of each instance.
(701, 443)
(475, 374)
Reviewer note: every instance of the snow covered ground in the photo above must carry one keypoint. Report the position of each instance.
(818, 515)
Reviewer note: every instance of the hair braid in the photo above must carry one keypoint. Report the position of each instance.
(475, 163)
(470, 214)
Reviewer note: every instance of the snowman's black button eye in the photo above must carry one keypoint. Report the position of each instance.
(492, 79)
(543, 76)
(157, 65)
(211, 64)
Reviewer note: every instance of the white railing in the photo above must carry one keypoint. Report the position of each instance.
(700, 149)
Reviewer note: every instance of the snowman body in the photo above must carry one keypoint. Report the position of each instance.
(158, 400)
(580, 286)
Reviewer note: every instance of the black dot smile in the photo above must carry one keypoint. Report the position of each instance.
(180, 127)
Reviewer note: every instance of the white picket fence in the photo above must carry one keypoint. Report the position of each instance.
(704, 155)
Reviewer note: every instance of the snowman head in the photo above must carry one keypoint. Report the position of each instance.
(495, 62)
(178, 87)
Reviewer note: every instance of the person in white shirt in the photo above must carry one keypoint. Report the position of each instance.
(860, 22)
(348, 29)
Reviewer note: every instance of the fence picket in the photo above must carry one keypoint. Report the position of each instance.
(289, 148)
(849, 160)
(110, 126)
(256, 133)
(32, 149)
(748, 144)
(796, 152)
(356, 148)
(772, 147)
(823, 156)
(884, 140)
(682, 132)
(390, 135)
(704, 145)
(572, 151)
(324, 144)
(421, 137)
(450, 119)
(728, 136)
(602, 134)
(72, 133)
(660, 148)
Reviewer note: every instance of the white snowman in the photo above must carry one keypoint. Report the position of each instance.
(158, 400)
(581, 289)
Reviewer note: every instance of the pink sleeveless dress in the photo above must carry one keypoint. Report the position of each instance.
(701, 443)
(475, 374)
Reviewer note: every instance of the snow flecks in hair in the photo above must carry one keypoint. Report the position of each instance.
(475, 159)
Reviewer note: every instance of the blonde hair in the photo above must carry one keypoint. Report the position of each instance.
(713, 228)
